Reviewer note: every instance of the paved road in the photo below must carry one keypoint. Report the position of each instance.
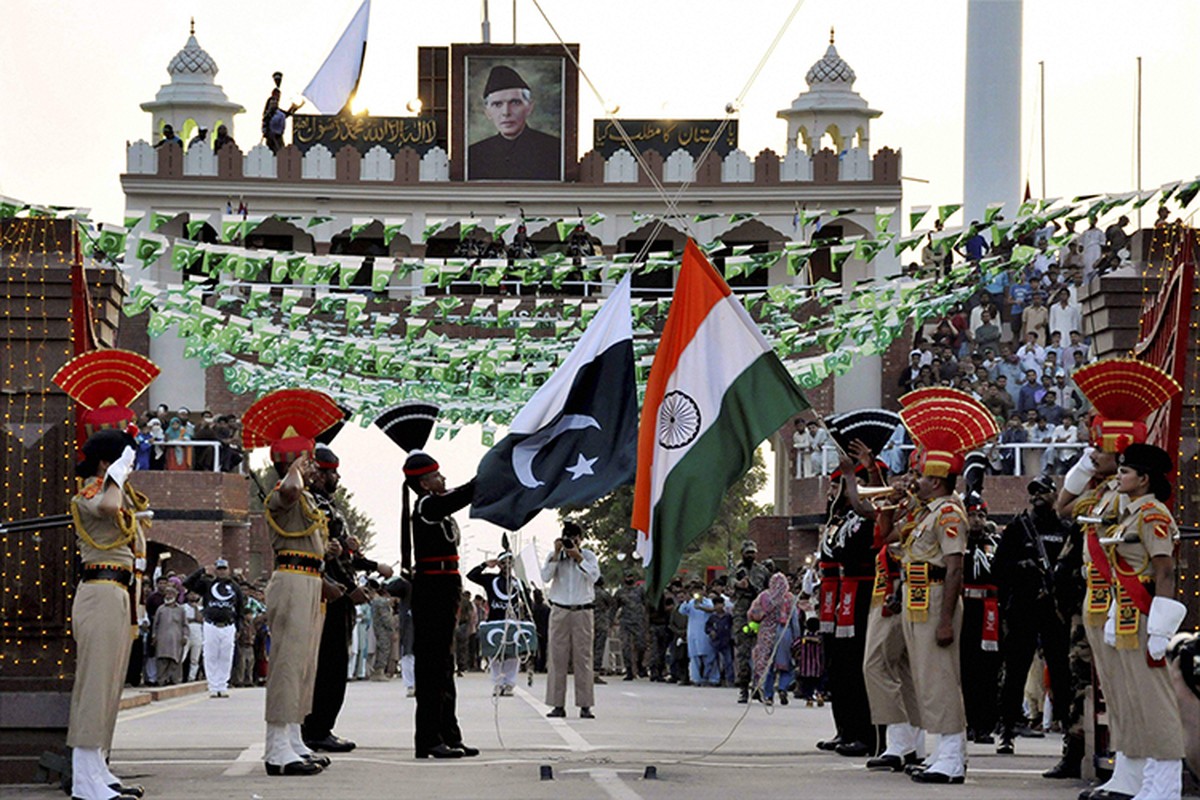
(200, 748)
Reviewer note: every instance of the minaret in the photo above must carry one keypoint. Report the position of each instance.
(192, 98)
(992, 140)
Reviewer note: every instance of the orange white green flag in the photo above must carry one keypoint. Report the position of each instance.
(716, 391)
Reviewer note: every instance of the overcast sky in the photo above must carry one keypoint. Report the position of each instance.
(74, 73)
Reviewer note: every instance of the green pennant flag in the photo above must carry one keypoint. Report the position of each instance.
(129, 222)
(466, 227)
(9, 207)
(564, 228)
(946, 211)
(1000, 232)
(432, 226)
(991, 212)
(150, 247)
(194, 227)
(355, 306)
(737, 217)
(797, 259)
(111, 240)
(318, 220)
(391, 228)
(883, 219)
(232, 229)
(157, 220)
(381, 273)
(839, 255)
(1188, 193)
(915, 215)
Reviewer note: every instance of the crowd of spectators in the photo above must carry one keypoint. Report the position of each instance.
(171, 440)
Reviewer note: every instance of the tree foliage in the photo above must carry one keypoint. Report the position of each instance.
(606, 523)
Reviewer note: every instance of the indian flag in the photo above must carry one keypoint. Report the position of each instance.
(716, 391)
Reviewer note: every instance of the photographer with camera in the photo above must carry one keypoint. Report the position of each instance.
(1023, 570)
(570, 574)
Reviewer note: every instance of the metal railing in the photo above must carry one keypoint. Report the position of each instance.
(1026, 458)
(216, 455)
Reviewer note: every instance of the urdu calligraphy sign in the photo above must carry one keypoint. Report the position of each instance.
(665, 135)
(363, 132)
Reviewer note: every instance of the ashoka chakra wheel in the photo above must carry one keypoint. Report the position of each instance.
(678, 420)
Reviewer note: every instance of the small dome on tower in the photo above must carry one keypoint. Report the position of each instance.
(192, 59)
(832, 68)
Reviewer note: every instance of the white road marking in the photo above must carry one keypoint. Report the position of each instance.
(613, 786)
(160, 707)
(575, 742)
(246, 761)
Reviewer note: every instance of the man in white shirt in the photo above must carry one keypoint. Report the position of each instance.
(802, 444)
(1065, 433)
(1065, 316)
(570, 572)
(1031, 354)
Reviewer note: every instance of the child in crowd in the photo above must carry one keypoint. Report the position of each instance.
(719, 628)
(810, 663)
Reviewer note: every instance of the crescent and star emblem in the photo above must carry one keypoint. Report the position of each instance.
(500, 593)
(524, 453)
(223, 592)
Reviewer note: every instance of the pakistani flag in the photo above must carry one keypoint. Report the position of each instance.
(715, 392)
(576, 439)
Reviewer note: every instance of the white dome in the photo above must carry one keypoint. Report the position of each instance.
(831, 69)
(192, 60)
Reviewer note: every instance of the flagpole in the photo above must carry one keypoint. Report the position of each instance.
(514, 22)
(1042, 103)
(1139, 139)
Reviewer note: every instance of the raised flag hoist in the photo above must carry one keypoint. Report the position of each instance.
(109, 516)
(288, 421)
(433, 535)
(946, 426)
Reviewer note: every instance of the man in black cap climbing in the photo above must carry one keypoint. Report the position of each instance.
(516, 152)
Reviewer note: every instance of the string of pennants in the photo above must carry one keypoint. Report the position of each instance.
(277, 319)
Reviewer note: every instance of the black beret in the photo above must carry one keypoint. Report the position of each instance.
(325, 457)
(501, 78)
(1041, 484)
(419, 463)
(1147, 459)
(103, 445)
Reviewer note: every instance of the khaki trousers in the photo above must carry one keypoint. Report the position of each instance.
(936, 670)
(1147, 706)
(1102, 660)
(571, 640)
(100, 627)
(887, 672)
(294, 619)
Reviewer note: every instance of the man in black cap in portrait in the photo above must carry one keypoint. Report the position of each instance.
(516, 152)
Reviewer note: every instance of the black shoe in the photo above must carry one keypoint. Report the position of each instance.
(888, 762)
(1005, 748)
(1103, 794)
(743, 695)
(783, 698)
(628, 676)
(1026, 732)
(852, 749)
(130, 790)
(598, 680)
(330, 744)
(293, 768)
(929, 776)
(440, 751)
(320, 761)
(829, 744)
(913, 767)
(1064, 769)
(557, 711)
(985, 738)
(468, 752)
(586, 713)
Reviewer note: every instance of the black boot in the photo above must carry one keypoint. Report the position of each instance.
(743, 695)
(1072, 757)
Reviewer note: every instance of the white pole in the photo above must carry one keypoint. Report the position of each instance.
(992, 131)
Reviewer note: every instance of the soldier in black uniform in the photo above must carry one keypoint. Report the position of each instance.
(341, 564)
(979, 641)
(437, 588)
(849, 542)
(1023, 569)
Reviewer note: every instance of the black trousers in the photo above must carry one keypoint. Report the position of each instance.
(844, 668)
(1024, 629)
(333, 661)
(979, 669)
(435, 600)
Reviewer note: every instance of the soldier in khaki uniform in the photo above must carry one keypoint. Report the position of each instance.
(1143, 616)
(112, 549)
(1124, 392)
(289, 420)
(946, 424)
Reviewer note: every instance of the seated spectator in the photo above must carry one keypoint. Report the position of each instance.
(1041, 433)
(1049, 409)
(1014, 433)
(1030, 394)
(1069, 397)
(1058, 459)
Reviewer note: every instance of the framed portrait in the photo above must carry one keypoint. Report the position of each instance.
(514, 115)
